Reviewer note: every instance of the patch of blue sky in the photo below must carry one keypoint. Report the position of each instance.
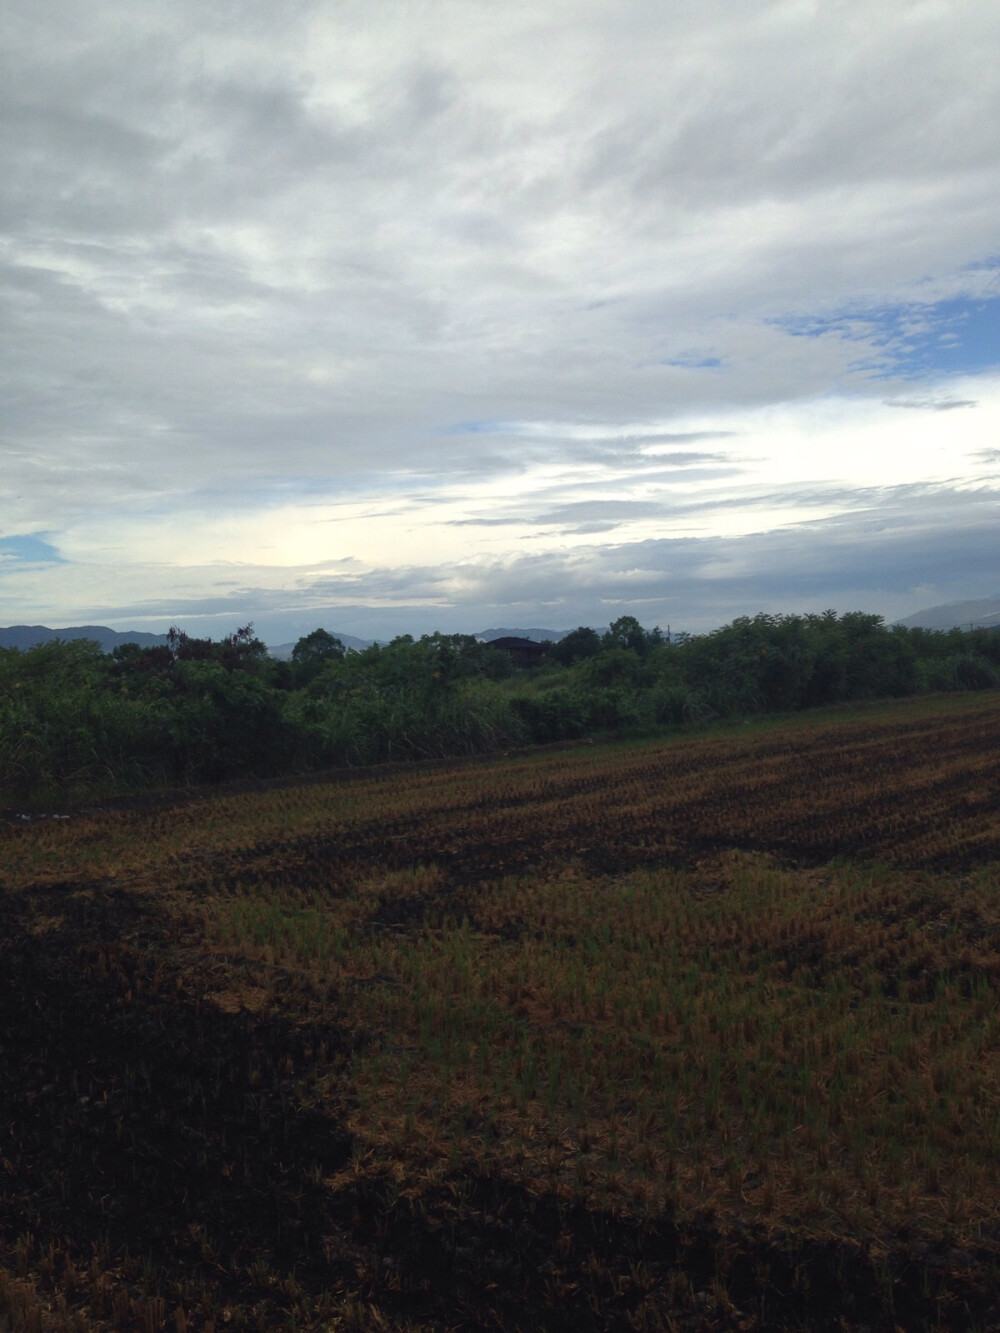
(694, 361)
(957, 336)
(29, 549)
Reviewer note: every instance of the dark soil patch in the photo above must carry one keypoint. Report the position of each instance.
(190, 1149)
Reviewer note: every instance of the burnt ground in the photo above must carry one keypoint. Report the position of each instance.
(166, 1160)
(177, 1144)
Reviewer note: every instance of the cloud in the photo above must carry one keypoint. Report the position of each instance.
(483, 522)
(601, 511)
(255, 263)
(931, 404)
(895, 551)
(673, 438)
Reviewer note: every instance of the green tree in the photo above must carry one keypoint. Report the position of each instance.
(626, 632)
(577, 645)
(312, 653)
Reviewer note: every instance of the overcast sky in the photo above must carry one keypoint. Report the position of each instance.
(412, 315)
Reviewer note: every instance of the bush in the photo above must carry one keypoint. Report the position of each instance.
(557, 715)
(675, 704)
(73, 720)
(959, 671)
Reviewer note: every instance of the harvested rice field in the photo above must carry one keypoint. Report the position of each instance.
(693, 1033)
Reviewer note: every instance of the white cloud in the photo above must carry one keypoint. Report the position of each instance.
(259, 265)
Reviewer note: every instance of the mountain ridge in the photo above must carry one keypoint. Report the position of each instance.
(31, 636)
(984, 611)
(24, 637)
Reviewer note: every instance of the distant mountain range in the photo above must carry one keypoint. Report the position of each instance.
(952, 615)
(28, 636)
(957, 615)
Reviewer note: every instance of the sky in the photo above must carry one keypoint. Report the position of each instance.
(429, 315)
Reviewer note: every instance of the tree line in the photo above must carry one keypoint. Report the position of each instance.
(74, 720)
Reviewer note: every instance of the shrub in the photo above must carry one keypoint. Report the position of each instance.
(958, 671)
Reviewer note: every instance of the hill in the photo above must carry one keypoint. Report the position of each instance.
(957, 615)
(29, 636)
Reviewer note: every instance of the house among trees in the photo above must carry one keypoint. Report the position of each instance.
(523, 652)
